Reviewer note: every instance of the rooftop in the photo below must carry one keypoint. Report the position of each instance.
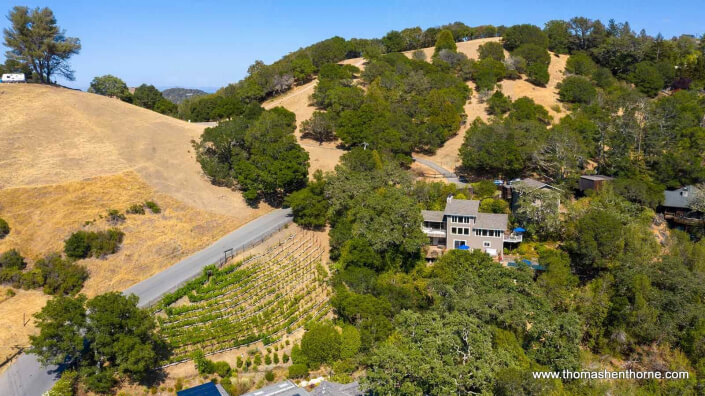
(462, 207)
(335, 389)
(492, 221)
(596, 177)
(680, 198)
(285, 388)
(432, 215)
(207, 389)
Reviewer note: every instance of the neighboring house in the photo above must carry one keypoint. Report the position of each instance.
(678, 205)
(461, 224)
(511, 190)
(327, 388)
(284, 388)
(593, 182)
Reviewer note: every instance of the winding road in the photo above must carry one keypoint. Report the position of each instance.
(26, 377)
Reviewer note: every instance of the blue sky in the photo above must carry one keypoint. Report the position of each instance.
(208, 44)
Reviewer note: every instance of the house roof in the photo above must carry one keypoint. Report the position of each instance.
(432, 215)
(207, 389)
(327, 388)
(533, 183)
(284, 388)
(596, 177)
(680, 198)
(491, 221)
(462, 207)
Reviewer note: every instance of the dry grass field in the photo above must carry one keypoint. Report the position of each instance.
(69, 156)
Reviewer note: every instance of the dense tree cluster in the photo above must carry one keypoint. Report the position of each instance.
(106, 338)
(83, 244)
(258, 154)
(408, 106)
(56, 275)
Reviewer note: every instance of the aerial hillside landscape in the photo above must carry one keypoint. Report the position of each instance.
(509, 209)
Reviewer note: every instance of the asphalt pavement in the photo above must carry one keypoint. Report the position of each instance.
(26, 376)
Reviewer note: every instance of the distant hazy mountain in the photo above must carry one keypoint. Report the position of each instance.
(178, 95)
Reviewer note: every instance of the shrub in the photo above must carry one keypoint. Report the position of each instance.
(82, 244)
(498, 104)
(267, 360)
(321, 344)
(487, 72)
(4, 228)
(136, 209)
(203, 365)
(66, 385)
(350, 341)
(269, 376)
(222, 369)
(491, 205)
(239, 362)
(581, 64)
(576, 89)
(77, 245)
(60, 276)
(538, 74)
(12, 259)
(179, 384)
(276, 358)
(115, 217)
(258, 359)
(492, 50)
(298, 370)
(647, 78)
(285, 358)
(153, 206)
(484, 189)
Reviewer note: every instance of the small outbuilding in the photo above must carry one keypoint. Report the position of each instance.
(593, 182)
(13, 78)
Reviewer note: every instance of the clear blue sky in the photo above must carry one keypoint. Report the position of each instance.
(208, 44)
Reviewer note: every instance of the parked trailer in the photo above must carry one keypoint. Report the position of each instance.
(13, 77)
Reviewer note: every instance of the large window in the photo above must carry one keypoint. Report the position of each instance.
(461, 219)
(489, 233)
(458, 243)
(460, 230)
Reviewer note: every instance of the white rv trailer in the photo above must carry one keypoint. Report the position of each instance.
(13, 77)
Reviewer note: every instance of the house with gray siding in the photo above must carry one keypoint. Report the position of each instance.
(462, 224)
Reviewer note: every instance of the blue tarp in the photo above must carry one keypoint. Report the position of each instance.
(464, 247)
(519, 229)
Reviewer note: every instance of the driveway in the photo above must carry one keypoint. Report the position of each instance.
(26, 377)
(448, 175)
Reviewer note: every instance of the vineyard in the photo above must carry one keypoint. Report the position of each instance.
(260, 298)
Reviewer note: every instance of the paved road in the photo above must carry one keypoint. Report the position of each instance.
(26, 377)
(450, 176)
(151, 289)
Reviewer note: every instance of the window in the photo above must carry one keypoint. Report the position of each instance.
(486, 244)
(458, 243)
(466, 231)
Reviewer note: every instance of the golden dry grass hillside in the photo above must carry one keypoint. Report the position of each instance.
(326, 156)
(68, 157)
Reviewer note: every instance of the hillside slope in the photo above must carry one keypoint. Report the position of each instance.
(326, 156)
(66, 157)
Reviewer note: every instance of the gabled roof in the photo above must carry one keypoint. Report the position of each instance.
(284, 388)
(432, 215)
(464, 207)
(680, 198)
(491, 221)
(327, 388)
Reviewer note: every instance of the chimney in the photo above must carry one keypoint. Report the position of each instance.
(684, 192)
(449, 199)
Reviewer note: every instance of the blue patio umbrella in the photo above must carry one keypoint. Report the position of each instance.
(464, 247)
(519, 229)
